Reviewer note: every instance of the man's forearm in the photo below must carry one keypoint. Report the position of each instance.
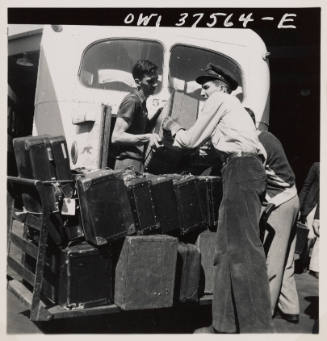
(130, 139)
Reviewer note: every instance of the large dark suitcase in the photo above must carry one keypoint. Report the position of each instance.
(206, 242)
(211, 191)
(190, 215)
(142, 204)
(145, 272)
(106, 212)
(164, 198)
(86, 276)
(43, 158)
(32, 159)
(33, 155)
(187, 273)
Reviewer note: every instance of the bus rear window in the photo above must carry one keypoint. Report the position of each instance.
(187, 62)
(108, 64)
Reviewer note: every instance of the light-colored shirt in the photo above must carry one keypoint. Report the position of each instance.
(224, 121)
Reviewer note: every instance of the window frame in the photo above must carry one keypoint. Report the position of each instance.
(116, 39)
(232, 60)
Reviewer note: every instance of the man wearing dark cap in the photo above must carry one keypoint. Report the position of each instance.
(241, 301)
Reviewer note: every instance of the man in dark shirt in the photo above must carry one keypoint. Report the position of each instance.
(130, 133)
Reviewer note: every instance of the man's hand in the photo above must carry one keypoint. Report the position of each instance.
(154, 141)
(316, 227)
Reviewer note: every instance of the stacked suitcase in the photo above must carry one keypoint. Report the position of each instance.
(145, 272)
(106, 211)
(210, 189)
(43, 158)
(126, 239)
(76, 274)
(165, 203)
(190, 211)
(85, 276)
(188, 269)
(206, 245)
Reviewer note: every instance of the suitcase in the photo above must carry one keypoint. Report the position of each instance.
(190, 215)
(33, 155)
(211, 191)
(145, 272)
(85, 276)
(32, 161)
(302, 232)
(106, 212)
(43, 158)
(167, 159)
(163, 195)
(141, 201)
(206, 244)
(187, 273)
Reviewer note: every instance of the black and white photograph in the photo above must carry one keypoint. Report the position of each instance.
(162, 167)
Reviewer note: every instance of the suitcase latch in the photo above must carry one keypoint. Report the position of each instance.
(74, 306)
(50, 155)
(100, 241)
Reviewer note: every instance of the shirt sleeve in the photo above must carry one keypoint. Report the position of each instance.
(204, 126)
(127, 109)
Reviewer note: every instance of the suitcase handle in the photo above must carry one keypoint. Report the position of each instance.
(47, 182)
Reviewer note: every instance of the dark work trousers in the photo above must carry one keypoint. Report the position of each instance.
(241, 300)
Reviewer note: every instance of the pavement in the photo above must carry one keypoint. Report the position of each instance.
(182, 319)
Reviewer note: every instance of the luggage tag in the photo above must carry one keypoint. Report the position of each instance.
(68, 206)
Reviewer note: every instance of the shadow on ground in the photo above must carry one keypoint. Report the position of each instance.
(178, 320)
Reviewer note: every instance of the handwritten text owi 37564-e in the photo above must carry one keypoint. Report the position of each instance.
(216, 19)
